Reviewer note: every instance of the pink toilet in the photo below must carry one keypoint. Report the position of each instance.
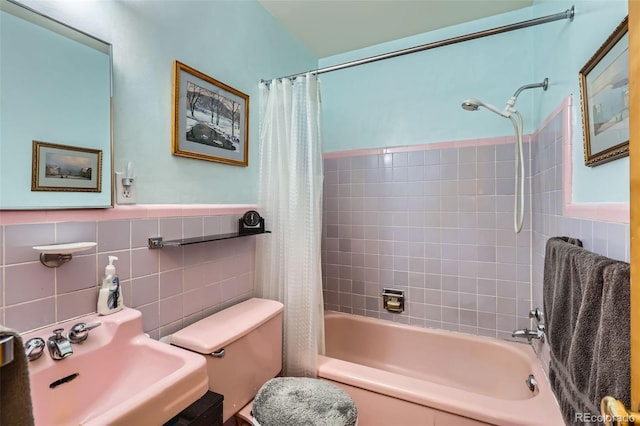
(243, 348)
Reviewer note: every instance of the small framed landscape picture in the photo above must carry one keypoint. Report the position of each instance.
(210, 119)
(65, 168)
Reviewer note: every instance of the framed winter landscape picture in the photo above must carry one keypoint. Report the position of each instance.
(65, 168)
(210, 119)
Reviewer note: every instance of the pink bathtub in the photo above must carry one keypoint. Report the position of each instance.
(403, 375)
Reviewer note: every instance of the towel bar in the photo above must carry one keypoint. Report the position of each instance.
(6, 350)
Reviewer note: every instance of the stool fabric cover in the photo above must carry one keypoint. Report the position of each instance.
(301, 401)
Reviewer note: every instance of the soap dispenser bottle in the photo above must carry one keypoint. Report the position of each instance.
(110, 297)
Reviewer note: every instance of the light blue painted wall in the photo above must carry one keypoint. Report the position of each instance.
(561, 53)
(236, 42)
(415, 99)
(410, 100)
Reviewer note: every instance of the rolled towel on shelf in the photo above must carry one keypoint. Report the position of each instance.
(586, 304)
(15, 390)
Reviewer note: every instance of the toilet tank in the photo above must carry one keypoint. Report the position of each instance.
(251, 335)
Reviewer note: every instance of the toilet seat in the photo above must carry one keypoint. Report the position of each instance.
(303, 400)
(244, 417)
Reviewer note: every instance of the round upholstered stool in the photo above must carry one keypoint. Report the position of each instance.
(297, 401)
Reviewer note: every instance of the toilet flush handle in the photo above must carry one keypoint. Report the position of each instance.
(218, 354)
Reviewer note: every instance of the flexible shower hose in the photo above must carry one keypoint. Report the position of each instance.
(518, 198)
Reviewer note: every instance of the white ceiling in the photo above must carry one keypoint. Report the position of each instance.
(329, 27)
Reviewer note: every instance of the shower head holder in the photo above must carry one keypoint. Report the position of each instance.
(512, 100)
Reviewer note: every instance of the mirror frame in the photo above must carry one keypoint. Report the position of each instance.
(29, 14)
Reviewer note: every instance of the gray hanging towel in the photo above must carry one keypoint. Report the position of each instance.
(586, 307)
(15, 390)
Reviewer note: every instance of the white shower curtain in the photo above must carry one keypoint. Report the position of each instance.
(288, 265)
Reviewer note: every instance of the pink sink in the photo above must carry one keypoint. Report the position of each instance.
(118, 376)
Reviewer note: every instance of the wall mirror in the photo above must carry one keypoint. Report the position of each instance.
(56, 86)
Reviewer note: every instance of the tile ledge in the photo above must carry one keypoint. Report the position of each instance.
(609, 212)
(140, 211)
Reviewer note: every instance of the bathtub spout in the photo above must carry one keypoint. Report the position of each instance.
(525, 333)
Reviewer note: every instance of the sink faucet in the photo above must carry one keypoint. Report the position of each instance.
(59, 346)
(525, 333)
(79, 332)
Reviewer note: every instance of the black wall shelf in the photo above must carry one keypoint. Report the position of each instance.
(158, 242)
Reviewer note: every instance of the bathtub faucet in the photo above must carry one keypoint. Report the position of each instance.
(525, 333)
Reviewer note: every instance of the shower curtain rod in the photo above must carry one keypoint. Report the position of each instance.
(567, 14)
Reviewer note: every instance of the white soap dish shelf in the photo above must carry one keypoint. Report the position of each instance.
(55, 255)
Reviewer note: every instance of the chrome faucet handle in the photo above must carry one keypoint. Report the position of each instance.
(59, 346)
(79, 332)
(34, 348)
(537, 314)
(525, 333)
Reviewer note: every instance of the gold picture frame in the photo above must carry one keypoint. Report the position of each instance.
(210, 119)
(65, 168)
(604, 93)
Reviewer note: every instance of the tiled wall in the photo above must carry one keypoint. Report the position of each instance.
(172, 287)
(436, 223)
(606, 238)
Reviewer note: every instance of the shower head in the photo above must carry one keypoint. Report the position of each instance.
(469, 105)
(473, 105)
(516, 119)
